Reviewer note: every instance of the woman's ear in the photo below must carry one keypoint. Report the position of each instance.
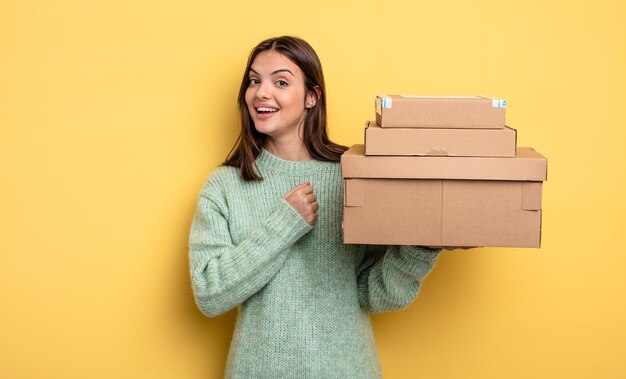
(312, 96)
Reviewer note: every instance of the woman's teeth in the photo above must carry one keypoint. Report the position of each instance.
(263, 109)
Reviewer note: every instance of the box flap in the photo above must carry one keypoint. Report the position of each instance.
(531, 196)
(354, 193)
(527, 165)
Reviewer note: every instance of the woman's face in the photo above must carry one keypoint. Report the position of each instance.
(276, 96)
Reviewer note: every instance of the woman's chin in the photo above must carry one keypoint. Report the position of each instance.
(264, 129)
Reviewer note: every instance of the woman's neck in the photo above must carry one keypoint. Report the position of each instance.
(295, 151)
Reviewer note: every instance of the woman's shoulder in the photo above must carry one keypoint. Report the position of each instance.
(221, 179)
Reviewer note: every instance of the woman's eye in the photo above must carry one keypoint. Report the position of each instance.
(281, 83)
(254, 81)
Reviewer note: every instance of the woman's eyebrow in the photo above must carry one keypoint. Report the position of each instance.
(283, 70)
(275, 71)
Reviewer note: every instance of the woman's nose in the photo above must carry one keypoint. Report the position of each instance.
(264, 90)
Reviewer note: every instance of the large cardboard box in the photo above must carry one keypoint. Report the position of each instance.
(443, 201)
(415, 111)
(447, 142)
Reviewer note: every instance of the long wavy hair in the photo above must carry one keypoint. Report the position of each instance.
(250, 142)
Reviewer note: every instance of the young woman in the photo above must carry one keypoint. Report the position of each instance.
(267, 237)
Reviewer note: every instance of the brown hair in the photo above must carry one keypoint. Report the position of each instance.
(250, 142)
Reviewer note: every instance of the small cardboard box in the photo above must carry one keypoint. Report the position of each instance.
(415, 111)
(443, 201)
(446, 142)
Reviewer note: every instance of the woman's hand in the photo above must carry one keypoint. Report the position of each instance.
(303, 200)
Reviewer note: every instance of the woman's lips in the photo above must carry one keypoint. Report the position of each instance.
(264, 113)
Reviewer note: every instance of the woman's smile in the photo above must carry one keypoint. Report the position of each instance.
(265, 111)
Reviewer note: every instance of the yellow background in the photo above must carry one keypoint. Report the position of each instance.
(112, 114)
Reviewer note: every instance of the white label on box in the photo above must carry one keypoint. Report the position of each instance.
(385, 102)
(498, 103)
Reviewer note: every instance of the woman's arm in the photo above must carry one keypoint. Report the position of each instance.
(223, 275)
(390, 277)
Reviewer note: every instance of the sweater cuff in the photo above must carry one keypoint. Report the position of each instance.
(423, 253)
(285, 220)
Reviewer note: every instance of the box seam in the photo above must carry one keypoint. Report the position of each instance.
(441, 228)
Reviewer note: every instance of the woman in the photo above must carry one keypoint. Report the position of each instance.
(266, 236)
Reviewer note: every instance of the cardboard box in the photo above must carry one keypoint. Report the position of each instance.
(443, 201)
(414, 111)
(446, 142)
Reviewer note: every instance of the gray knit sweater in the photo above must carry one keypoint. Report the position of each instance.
(304, 298)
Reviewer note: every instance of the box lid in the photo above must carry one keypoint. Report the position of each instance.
(437, 97)
(527, 165)
(386, 101)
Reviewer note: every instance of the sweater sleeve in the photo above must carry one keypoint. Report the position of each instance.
(223, 275)
(390, 277)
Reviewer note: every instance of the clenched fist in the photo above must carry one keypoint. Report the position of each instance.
(303, 200)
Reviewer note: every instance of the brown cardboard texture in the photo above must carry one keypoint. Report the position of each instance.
(416, 111)
(385, 208)
(528, 165)
(439, 142)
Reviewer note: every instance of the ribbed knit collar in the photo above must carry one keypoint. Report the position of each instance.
(269, 161)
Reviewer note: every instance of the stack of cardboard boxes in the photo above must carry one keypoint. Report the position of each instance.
(442, 171)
